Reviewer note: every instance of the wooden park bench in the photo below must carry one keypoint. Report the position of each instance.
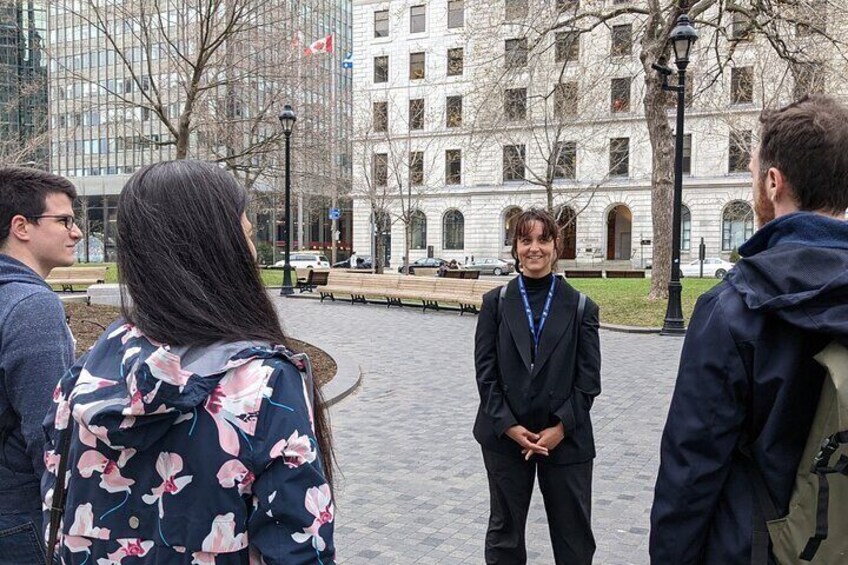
(625, 274)
(68, 277)
(308, 279)
(397, 289)
(583, 274)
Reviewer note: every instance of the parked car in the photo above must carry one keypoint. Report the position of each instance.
(491, 266)
(713, 267)
(365, 263)
(305, 261)
(428, 262)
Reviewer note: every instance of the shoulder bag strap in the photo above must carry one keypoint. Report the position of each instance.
(57, 508)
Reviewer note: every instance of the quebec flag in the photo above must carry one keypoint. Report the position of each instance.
(347, 62)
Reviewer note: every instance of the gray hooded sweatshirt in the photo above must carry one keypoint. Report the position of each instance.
(36, 348)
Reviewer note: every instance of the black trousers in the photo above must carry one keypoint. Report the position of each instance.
(567, 492)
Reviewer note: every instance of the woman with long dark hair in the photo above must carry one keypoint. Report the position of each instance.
(189, 433)
(538, 363)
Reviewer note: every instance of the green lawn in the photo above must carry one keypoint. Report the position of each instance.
(625, 302)
(622, 301)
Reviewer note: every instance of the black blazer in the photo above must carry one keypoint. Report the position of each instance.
(562, 385)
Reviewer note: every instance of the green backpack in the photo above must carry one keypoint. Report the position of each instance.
(816, 528)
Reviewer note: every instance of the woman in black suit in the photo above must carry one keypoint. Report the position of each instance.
(538, 361)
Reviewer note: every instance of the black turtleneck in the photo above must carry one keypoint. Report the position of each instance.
(537, 293)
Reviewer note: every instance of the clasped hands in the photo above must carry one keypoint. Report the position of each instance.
(532, 443)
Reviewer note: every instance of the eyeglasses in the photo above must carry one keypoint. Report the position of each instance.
(68, 220)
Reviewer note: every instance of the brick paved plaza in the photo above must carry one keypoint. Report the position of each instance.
(412, 488)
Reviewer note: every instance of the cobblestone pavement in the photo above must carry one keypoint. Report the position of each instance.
(412, 488)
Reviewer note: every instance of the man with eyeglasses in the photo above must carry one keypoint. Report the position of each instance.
(37, 233)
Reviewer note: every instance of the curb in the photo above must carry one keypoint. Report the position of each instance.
(630, 329)
(348, 376)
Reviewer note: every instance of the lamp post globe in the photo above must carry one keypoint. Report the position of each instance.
(287, 120)
(681, 38)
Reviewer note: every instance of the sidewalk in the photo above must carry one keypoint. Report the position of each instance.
(412, 488)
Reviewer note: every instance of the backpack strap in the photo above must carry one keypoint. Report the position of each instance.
(821, 468)
(581, 307)
(763, 510)
(57, 507)
(501, 297)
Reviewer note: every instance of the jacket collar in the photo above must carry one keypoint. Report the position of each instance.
(560, 319)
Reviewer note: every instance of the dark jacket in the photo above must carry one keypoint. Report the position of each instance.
(36, 347)
(747, 379)
(562, 385)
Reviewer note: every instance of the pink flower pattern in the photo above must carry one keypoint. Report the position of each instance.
(295, 451)
(255, 382)
(319, 503)
(168, 465)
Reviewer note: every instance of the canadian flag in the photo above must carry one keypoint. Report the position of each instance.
(323, 45)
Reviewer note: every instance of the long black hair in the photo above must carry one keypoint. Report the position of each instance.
(188, 267)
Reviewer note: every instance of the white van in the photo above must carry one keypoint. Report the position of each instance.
(305, 261)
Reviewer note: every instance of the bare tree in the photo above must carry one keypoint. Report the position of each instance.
(796, 33)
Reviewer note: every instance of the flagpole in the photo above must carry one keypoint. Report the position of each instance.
(334, 170)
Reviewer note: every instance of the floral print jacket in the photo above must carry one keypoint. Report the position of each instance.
(189, 455)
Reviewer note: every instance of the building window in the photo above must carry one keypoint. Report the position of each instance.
(565, 162)
(741, 85)
(417, 19)
(619, 160)
(456, 13)
(381, 23)
(813, 18)
(739, 152)
(380, 117)
(455, 61)
(740, 27)
(453, 111)
(416, 66)
(513, 162)
(380, 169)
(453, 228)
(687, 154)
(737, 225)
(515, 10)
(688, 94)
(809, 79)
(567, 5)
(620, 95)
(381, 69)
(510, 218)
(685, 229)
(515, 53)
(515, 104)
(622, 40)
(565, 99)
(453, 166)
(567, 46)
(416, 168)
(418, 229)
(416, 113)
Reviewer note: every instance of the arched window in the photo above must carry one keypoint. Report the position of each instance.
(453, 229)
(685, 229)
(418, 227)
(737, 225)
(510, 215)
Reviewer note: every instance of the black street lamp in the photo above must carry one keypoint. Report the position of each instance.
(682, 37)
(287, 119)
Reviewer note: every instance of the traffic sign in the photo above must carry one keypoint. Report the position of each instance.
(335, 213)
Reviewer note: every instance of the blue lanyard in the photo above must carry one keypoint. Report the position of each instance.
(536, 333)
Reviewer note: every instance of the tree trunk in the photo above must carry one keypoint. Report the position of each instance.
(662, 177)
(407, 229)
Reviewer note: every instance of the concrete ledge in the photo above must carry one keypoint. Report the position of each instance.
(104, 294)
(348, 376)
